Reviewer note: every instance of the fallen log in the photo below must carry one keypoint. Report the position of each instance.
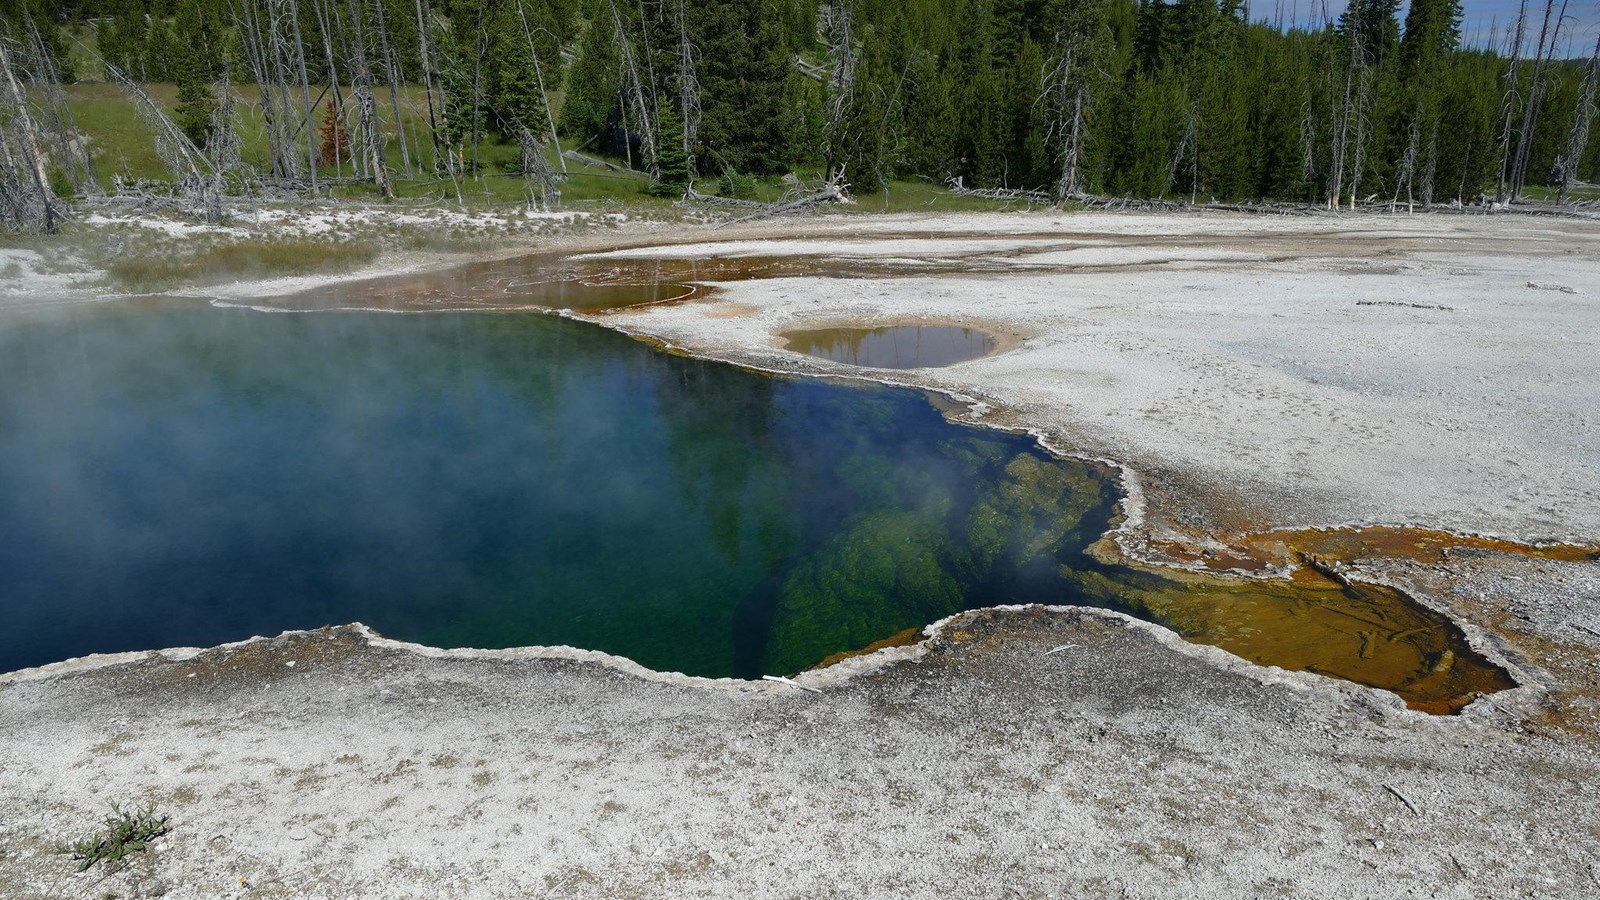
(961, 190)
(693, 196)
(834, 191)
(588, 160)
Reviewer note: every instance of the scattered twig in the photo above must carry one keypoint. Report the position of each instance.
(1059, 649)
(790, 682)
(1406, 305)
(1403, 799)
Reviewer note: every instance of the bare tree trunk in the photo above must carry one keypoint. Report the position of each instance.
(27, 129)
(371, 135)
(649, 60)
(27, 181)
(191, 169)
(538, 74)
(477, 87)
(305, 91)
(1363, 87)
(1408, 164)
(427, 80)
(1510, 101)
(634, 88)
(71, 151)
(1308, 149)
(1343, 110)
(1185, 146)
(261, 28)
(688, 88)
(1530, 108)
(840, 23)
(1431, 171)
(543, 193)
(325, 25)
(222, 144)
(392, 75)
(1582, 119)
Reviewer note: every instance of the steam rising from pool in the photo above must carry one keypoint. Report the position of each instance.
(177, 474)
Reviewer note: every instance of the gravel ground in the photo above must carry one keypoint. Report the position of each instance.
(1033, 753)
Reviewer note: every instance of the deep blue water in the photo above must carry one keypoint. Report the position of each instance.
(172, 473)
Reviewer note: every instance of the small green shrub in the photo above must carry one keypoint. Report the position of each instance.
(732, 184)
(122, 833)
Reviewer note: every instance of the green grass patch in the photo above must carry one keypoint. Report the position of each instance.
(238, 260)
(123, 144)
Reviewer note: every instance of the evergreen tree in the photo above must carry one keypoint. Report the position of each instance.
(1372, 26)
(671, 162)
(465, 113)
(195, 60)
(513, 96)
(594, 84)
(1433, 29)
(746, 124)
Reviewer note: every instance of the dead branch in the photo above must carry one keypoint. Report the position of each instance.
(835, 190)
(956, 187)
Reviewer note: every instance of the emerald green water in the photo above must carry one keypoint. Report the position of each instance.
(177, 474)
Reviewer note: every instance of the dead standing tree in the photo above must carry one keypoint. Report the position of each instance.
(67, 146)
(223, 147)
(538, 74)
(309, 109)
(1530, 108)
(1511, 101)
(260, 24)
(27, 202)
(430, 77)
(1351, 98)
(634, 87)
(1069, 92)
(391, 68)
(838, 24)
(366, 107)
(544, 192)
(193, 174)
(688, 86)
(1566, 168)
(319, 10)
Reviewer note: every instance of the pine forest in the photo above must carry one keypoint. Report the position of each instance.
(1053, 100)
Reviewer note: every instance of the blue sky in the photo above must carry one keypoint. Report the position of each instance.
(1480, 17)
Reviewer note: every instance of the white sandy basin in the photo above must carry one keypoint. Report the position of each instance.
(1436, 370)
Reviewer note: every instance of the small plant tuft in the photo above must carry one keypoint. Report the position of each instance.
(124, 832)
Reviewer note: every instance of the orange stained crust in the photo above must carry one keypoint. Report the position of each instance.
(905, 638)
(1279, 549)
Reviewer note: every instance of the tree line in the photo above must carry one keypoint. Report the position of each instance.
(1063, 98)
